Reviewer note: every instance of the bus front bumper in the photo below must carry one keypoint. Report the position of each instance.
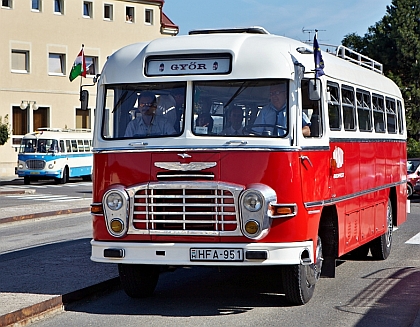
(203, 254)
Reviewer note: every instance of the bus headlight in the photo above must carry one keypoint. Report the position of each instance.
(114, 201)
(254, 205)
(252, 201)
(116, 205)
(21, 165)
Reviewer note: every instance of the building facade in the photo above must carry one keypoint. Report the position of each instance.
(41, 39)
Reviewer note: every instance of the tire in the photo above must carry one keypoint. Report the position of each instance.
(380, 247)
(299, 280)
(65, 178)
(26, 180)
(410, 190)
(87, 178)
(138, 281)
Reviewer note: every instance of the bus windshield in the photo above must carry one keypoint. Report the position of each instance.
(34, 145)
(219, 108)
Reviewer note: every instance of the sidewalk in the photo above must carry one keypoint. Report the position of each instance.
(41, 280)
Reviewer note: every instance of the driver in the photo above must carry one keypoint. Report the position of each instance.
(275, 112)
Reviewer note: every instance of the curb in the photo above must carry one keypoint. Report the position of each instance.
(43, 214)
(57, 303)
(14, 191)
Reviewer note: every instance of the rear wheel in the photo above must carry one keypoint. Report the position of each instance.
(299, 280)
(138, 281)
(380, 247)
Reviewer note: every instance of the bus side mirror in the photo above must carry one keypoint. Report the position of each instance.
(314, 89)
(84, 99)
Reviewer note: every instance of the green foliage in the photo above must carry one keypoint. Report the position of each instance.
(4, 130)
(395, 42)
(413, 148)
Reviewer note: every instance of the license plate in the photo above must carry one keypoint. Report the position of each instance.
(216, 255)
(34, 172)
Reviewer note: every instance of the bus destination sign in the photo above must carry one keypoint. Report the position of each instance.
(190, 66)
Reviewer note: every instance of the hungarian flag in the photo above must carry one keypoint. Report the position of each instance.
(79, 66)
(319, 62)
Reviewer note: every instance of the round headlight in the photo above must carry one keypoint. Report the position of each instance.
(253, 201)
(20, 166)
(114, 201)
(117, 225)
(252, 227)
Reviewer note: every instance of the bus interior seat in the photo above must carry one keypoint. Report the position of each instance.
(315, 125)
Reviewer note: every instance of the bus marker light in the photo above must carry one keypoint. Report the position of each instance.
(96, 208)
(252, 227)
(117, 225)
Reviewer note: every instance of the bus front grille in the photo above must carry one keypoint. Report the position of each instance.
(35, 164)
(205, 208)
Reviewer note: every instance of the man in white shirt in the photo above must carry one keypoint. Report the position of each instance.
(148, 123)
(235, 118)
(275, 113)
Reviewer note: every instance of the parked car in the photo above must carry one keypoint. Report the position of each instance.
(413, 176)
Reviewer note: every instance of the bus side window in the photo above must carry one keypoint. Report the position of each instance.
(364, 111)
(378, 113)
(74, 146)
(334, 112)
(80, 146)
(68, 146)
(62, 147)
(391, 116)
(349, 112)
(312, 109)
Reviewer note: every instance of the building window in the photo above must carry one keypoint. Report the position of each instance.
(59, 6)
(87, 9)
(36, 5)
(108, 12)
(7, 3)
(82, 118)
(148, 16)
(129, 14)
(91, 64)
(56, 64)
(20, 61)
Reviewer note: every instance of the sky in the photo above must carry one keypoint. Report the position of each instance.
(333, 18)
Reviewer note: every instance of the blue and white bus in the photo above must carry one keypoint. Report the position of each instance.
(54, 153)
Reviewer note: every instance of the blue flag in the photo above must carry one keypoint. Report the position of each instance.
(319, 62)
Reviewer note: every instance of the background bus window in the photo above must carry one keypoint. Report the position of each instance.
(378, 113)
(62, 146)
(80, 146)
(364, 111)
(349, 112)
(74, 146)
(68, 146)
(391, 116)
(334, 112)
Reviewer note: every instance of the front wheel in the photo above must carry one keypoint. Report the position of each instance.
(26, 180)
(380, 247)
(65, 178)
(299, 280)
(138, 281)
(410, 190)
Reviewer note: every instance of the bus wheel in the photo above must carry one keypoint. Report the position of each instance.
(410, 190)
(138, 281)
(380, 247)
(26, 180)
(65, 178)
(299, 280)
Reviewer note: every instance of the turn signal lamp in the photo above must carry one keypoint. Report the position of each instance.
(117, 226)
(252, 227)
(96, 208)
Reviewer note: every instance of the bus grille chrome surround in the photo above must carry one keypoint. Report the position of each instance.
(35, 164)
(180, 208)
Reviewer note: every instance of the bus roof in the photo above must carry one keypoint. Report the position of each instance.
(254, 55)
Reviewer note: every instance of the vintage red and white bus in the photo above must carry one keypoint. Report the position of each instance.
(220, 148)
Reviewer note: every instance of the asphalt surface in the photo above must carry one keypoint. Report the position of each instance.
(38, 281)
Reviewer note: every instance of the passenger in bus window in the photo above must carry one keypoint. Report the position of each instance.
(166, 107)
(275, 113)
(235, 118)
(41, 147)
(148, 123)
(204, 122)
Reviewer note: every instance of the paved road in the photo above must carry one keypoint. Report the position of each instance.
(364, 293)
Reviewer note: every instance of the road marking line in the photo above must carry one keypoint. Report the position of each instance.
(414, 240)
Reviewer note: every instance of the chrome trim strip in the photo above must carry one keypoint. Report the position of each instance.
(349, 196)
(163, 176)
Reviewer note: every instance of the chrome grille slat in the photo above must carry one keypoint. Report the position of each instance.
(181, 208)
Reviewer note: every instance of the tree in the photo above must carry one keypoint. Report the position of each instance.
(395, 42)
(4, 130)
